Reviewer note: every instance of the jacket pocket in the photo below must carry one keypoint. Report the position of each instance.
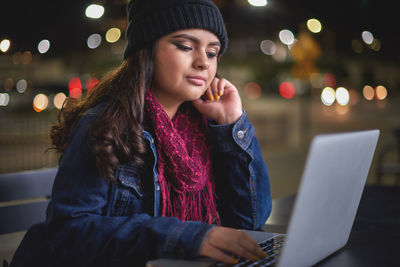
(130, 194)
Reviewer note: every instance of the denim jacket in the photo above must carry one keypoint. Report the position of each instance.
(92, 222)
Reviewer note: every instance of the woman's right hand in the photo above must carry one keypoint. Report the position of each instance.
(221, 243)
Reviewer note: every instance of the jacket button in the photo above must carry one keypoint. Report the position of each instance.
(158, 187)
(240, 134)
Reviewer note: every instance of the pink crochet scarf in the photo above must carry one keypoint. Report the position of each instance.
(184, 166)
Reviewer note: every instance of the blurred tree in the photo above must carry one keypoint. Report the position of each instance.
(305, 52)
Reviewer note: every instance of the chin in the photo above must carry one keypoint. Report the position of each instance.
(195, 95)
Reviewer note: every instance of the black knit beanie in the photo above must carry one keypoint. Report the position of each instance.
(148, 20)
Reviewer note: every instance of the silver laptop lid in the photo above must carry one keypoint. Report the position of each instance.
(327, 200)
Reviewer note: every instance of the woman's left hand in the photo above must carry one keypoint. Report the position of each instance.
(221, 102)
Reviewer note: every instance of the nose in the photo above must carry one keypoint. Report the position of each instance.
(201, 61)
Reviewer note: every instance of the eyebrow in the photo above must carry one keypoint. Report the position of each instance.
(194, 39)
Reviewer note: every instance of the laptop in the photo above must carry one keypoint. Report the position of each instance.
(333, 180)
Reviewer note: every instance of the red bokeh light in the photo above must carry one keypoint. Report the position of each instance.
(287, 90)
(75, 87)
(92, 82)
(75, 92)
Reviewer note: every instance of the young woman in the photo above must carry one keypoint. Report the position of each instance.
(159, 160)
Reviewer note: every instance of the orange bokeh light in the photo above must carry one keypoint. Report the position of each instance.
(381, 92)
(368, 92)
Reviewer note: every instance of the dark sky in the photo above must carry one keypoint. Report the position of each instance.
(63, 22)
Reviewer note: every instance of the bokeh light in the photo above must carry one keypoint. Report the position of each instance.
(94, 40)
(328, 96)
(91, 82)
(94, 11)
(280, 54)
(75, 87)
(367, 37)
(21, 86)
(44, 46)
(381, 92)
(75, 93)
(368, 92)
(286, 37)
(59, 99)
(26, 57)
(314, 25)
(8, 84)
(287, 90)
(376, 45)
(253, 90)
(5, 45)
(268, 47)
(342, 96)
(258, 2)
(40, 102)
(4, 99)
(113, 35)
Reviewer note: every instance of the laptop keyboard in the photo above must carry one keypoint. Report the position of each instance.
(271, 247)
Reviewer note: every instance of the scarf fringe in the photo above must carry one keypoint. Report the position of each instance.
(187, 206)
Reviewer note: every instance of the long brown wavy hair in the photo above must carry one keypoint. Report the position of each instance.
(117, 135)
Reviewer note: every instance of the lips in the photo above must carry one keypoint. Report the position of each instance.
(196, 80)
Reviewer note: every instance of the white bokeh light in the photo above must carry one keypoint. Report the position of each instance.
(258, 2)
(21, 86)
(268, 47)
(328, 96)
(5, 45)
(43, 46)
(94, 11)
(342, 96)
(280, 54)
(367, 37)
(4, 99)
(40, 102)
(59, 100)
(94, 41)
(286, 37)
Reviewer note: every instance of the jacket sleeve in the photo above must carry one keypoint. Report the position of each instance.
(241, 176)
(81, 231)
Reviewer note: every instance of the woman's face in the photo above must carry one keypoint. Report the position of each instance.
(185, 64)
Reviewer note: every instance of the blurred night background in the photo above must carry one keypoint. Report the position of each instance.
(302, 68)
